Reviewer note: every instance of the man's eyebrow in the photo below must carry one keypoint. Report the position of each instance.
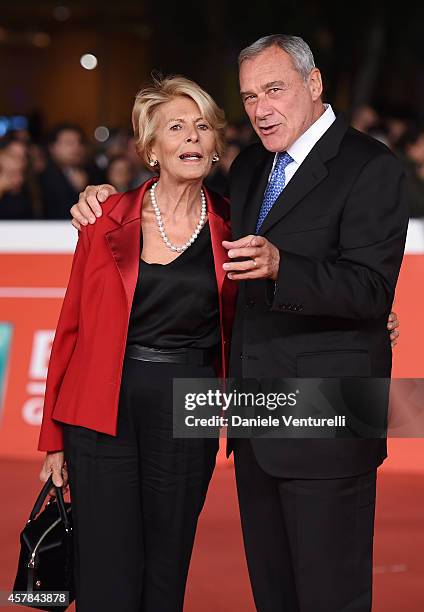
(266, 86)
(273, 84)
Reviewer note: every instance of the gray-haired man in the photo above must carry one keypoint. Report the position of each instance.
(319, 220)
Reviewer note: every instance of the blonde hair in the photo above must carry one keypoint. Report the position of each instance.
(165, 89)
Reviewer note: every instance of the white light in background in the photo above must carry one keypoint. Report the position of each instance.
(88, 61)
(101, 133)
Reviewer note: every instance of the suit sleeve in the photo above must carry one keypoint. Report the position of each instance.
(360, 282)
(50, 438)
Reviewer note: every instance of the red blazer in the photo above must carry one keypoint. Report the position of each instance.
(84, 376)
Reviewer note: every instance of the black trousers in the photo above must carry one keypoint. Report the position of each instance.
(136, 497)
(308, 542)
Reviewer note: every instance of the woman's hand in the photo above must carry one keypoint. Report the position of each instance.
(54, 463)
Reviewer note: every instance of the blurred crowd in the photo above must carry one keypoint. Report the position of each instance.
(43, 180)
(405, 137)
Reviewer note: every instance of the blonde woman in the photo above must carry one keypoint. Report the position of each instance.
(148, 301)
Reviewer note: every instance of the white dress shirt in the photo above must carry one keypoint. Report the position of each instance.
(303, 145)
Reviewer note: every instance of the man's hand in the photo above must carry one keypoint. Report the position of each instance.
(392, 324)
(262, 258)
(88, 206)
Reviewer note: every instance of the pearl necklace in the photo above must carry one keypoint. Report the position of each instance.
(159, 222)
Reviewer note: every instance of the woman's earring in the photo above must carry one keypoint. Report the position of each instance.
(215, 158)
(153, 162)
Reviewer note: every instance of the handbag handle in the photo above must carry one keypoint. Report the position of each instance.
(59, 498)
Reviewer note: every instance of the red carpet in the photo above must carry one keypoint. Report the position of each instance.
(218, 579)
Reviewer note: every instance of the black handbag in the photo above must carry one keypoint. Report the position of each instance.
(46, 557)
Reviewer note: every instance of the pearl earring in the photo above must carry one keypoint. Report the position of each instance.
(153, 162)
(215, 158)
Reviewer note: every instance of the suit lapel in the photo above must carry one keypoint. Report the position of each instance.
(124, 240)
(255, 194)
(219, 232)
(218, 216)
(311, 172)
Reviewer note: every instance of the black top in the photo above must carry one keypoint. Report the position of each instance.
(176, 305)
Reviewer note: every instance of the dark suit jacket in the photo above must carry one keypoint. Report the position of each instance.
(57, 192)
(340, 225)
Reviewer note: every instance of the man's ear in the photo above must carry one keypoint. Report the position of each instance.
(315, 84)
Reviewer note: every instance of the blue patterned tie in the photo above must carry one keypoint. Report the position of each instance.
(275, 186)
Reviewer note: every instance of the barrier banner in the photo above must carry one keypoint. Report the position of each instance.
(35, 261)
